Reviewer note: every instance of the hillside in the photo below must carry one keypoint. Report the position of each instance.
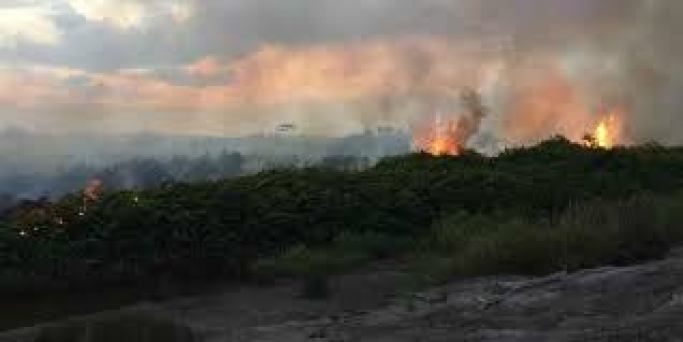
(553, 207)
(221, 227)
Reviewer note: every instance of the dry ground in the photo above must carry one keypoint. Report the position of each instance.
(638, 303)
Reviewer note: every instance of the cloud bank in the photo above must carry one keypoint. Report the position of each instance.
(236, 67)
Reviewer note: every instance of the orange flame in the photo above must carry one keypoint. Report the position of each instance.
(602, 135)
(609, 131)
(439, 138)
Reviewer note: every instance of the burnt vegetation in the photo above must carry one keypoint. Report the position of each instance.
(557, 206)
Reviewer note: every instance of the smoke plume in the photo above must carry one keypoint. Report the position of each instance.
(541, 68)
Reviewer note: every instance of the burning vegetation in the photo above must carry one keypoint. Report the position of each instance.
(439, 138)
(608, 132)
(205, 228)
(449, 136)
(452, 134)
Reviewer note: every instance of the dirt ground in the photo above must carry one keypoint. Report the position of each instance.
(638, 303)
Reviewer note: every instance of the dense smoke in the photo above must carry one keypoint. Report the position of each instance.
(238, 67)
(470, 124)
(347, 78)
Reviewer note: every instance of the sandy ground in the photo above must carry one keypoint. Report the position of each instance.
(638, 303)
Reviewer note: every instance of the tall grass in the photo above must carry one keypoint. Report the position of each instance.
(586, 235)
(590, 234)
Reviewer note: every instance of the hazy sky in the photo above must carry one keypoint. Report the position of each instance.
(227, 67)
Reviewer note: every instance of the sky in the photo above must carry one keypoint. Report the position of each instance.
(236, 67)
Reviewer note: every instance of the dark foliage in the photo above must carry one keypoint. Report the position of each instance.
(220, 228)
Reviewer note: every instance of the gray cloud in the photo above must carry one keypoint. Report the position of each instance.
(618, 51)
(233, 27)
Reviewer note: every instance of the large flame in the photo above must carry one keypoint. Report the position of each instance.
(450, 136)
(608, 132)
(602, 135)
(439, 138)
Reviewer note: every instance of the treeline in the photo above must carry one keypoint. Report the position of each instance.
(22, 189)
(28, 171)
(130, 174)
(221, 227)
